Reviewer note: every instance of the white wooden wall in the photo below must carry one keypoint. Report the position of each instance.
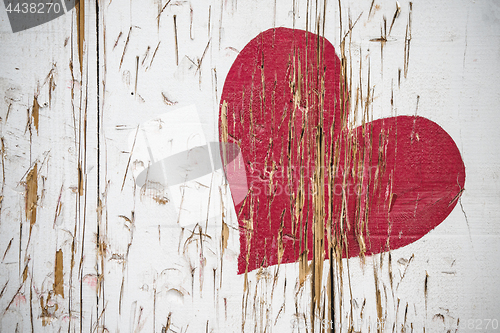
(83, 99)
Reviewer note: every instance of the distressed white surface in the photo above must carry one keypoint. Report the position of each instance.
(152, 258)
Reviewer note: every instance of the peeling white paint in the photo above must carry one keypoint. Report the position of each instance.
(155, 264)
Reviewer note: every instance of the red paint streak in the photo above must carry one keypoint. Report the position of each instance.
(397, 180)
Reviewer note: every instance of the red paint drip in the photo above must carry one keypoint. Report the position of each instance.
(385, 185)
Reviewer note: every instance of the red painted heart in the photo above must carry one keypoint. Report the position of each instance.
(380, 186)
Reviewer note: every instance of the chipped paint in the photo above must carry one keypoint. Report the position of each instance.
(140, 202)
(31, 196)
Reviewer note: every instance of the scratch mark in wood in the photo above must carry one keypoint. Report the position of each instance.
(7, 250)
(125, 47)
(145, 56)
(378, 300)
(203, 56)
(161, 11)
(209, 17)
(426, 289)
(191, 15)
(407, 42)
(80, 179)
(31, 196)
(13, 298)
(136, 74)
(80, 21)
(58, 207)
(129, 158)
(3, 289)
(153, 57)
(396, 14)
(220, 22)
(35, 113)
(371, 7)
(176, 43)
(117, 39)
(224, 236)
(58, 274)
(166, 100)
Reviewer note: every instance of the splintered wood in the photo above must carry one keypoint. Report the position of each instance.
(249, 166)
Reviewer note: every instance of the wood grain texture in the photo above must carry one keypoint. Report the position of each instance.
(95, 238)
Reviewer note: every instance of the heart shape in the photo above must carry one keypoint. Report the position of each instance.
(374, 188)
